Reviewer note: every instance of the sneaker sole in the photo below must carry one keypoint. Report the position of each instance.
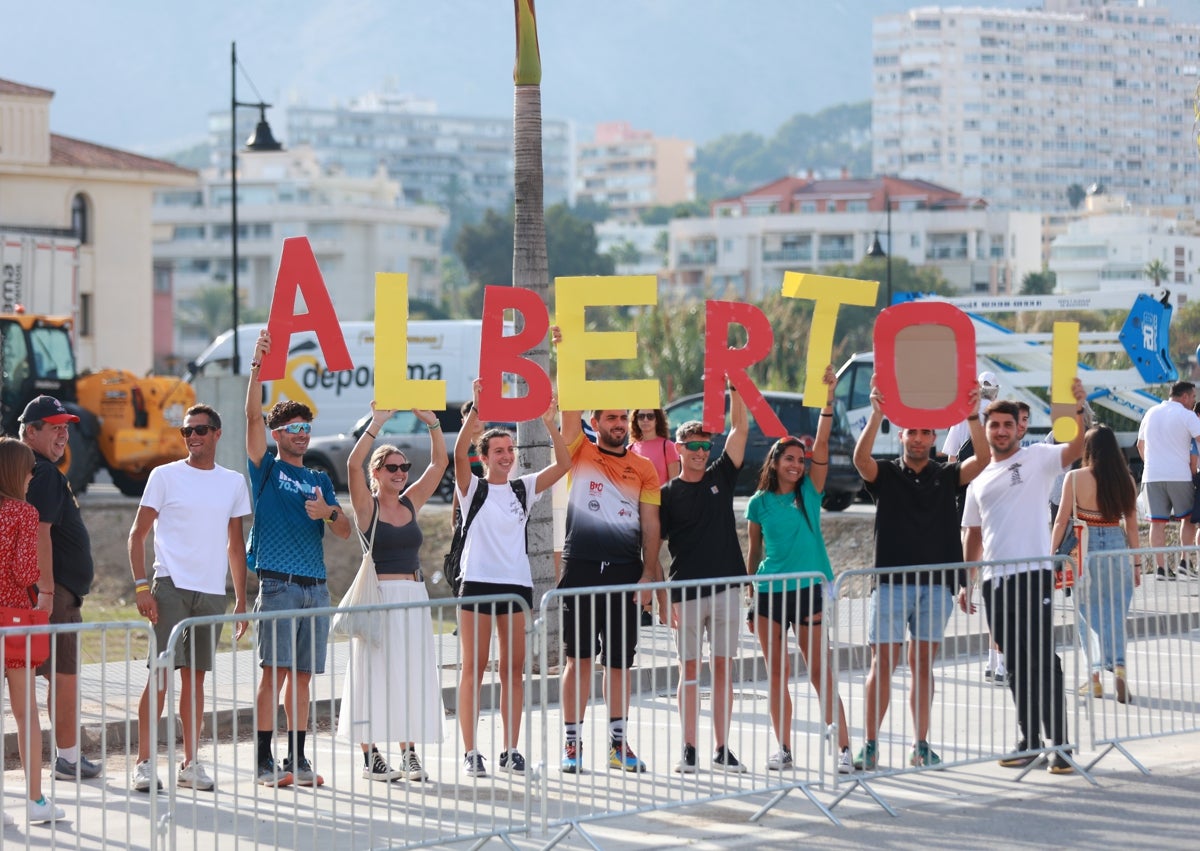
(278, 782)
(730, 769)
(508, 769)
(62, 775)
(632, 769)
(315, 780)
(1019, 762)
(685, 769)
(383, 778)
(145, 789)
(203, 787)
(570, 769)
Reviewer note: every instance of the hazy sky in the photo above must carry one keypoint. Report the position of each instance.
(144, 74)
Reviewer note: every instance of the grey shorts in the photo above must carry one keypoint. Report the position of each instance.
(196, 648)
(1170, 500)
(720, 615)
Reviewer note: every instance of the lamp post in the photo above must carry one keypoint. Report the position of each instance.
(876, 250)
(262, 140)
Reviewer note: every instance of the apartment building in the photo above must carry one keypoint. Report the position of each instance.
(631, 170)
(1112, 251)
(357, 226)
(809, 225)
(459, 162)
(1015, 106)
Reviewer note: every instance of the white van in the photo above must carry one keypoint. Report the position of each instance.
(437, 349)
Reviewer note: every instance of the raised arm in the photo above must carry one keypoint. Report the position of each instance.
(819, 471)
(864, 460)
(562, 456)
(982, 453)
(1073, 451)
(256, 437)
(418, 492)
(735, 446)
(462, 445)
(361, 499)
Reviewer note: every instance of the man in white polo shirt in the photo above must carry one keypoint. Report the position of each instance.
(1165, 442)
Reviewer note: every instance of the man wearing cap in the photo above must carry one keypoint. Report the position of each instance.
(698, 523)
(292, 508)
(960, 433)
(65, 564)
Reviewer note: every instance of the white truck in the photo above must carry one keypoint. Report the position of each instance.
(1022, 362)
(39, 273)
(437, 349)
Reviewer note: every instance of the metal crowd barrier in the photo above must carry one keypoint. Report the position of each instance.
(1157, 622)
(599, 790)
(956, 669)
(98, 813)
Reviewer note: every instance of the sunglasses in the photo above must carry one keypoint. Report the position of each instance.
(296, 428)
(698, 445)
(647, 416)
(202, 430)
(398, 468)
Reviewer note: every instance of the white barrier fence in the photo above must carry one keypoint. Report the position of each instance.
(970, 719)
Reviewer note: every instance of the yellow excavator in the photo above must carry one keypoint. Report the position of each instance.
(128, 424)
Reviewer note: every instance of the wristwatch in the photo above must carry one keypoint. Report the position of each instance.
(333, 516)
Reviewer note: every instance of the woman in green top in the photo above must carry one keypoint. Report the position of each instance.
(784, 525)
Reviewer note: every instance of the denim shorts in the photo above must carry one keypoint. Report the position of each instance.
(297, 641)
(923, 609)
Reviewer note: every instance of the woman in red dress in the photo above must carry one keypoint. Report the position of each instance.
(19, 571)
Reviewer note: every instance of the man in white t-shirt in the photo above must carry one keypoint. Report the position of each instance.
(1165, 442)
(195, 508)
(1005, 519)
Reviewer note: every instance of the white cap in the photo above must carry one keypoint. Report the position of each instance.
(988, 379)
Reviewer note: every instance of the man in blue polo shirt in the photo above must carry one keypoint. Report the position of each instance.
(292, 507)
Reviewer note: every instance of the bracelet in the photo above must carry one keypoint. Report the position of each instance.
(436, 425)
(815, 461)
(830, 414)
(255, 364)
(374, 434)
(42, 593)
(1079, 412)
(973, 418)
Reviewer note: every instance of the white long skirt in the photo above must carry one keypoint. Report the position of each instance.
(392, 692)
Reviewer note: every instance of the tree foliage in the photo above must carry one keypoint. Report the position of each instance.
(1039, 283)
(1157, 271)
(1075, 195)
(210, 309)
(832, 139)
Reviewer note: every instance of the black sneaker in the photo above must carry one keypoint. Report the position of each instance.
(1019, 759)
(1058, 765)
(724, 760)
(687, 763)
(512, 762)
(1165, 574)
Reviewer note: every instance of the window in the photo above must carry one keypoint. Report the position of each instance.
(85, 317)
(79, 218)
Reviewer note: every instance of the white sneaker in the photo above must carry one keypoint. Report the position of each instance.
(781, 760)
(44, 811)
(194, 776)
(845, 763)
(144, 777)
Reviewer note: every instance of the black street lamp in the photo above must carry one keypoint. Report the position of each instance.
(876, 250)
(261, 140)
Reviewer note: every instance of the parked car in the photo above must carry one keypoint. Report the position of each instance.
(403, 430)
(843, 482)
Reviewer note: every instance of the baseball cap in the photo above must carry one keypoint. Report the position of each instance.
(988, 378)
(47, 409)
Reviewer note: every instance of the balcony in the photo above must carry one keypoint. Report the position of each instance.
(698, 258)
(835, 252)
(788, 255)
(946, 252)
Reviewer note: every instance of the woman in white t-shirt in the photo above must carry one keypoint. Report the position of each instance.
(494, 561)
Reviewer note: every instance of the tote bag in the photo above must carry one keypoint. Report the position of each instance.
(363, 591)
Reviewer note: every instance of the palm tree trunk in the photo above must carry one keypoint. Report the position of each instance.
(531, 270)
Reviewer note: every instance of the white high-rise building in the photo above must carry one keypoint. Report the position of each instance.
(1015, 105)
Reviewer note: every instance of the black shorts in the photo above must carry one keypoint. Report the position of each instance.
(792, 608)
(604, 624)
(491, 589)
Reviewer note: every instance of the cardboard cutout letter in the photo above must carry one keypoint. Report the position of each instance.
(298, 271)
(393, 388)
(572, 297)
(499, 354)
(829, 294)
(1064, 364)
(925, 364)
(721, 362)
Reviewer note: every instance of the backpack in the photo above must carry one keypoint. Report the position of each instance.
(452, 563)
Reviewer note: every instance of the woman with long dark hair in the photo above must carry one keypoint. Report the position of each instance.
(784, 527)
(18, 573)
(651, 438)
(1103, 497)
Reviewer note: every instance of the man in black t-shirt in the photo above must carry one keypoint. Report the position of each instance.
(65, 564)
(700, 528)
(916, 523)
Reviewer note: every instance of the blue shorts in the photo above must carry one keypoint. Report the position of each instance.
(924, 609)
(308, 635)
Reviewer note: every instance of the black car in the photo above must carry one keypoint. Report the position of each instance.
(843, 482)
